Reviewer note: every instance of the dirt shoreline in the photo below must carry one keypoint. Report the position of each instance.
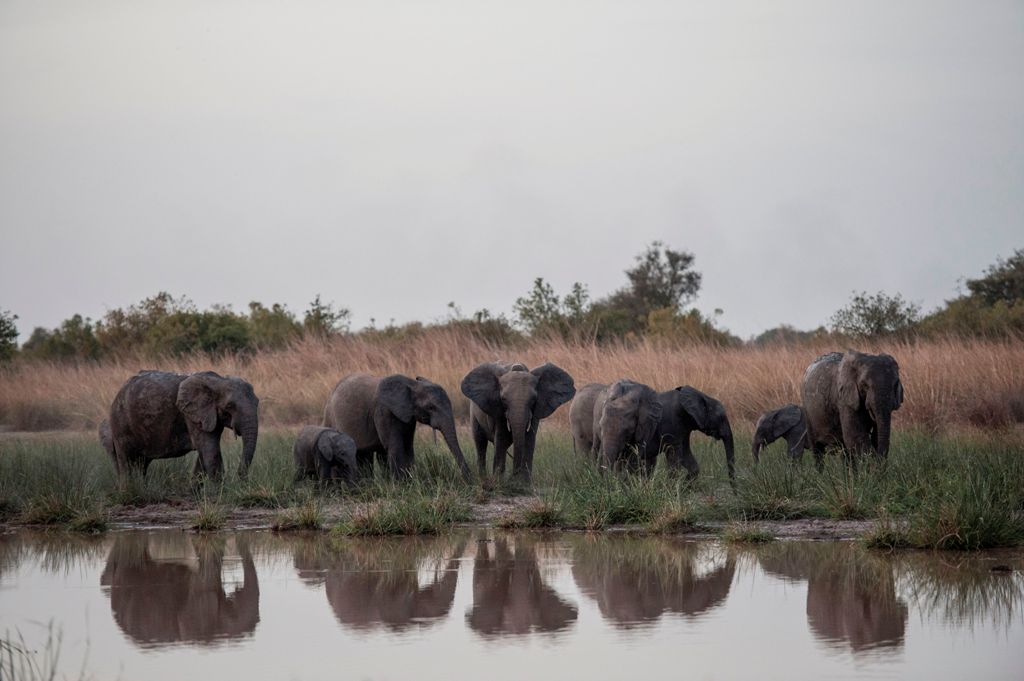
(487, 515)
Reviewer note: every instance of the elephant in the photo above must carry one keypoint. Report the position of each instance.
(684, 410)
(380, 415)
(392, 585)
(507, 403)
(159, 415)
(635, 580)
(789, 422)
(626, 415)
(509, 593)
(849, 400)
(167, 589)
(581, 417)
(851, 593)
(324, 453)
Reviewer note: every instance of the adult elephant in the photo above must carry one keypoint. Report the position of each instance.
(581, 417)
(684, 410)
(380, 415)
(160, 415)
(849, 400)
(626, 417)
(507, 403)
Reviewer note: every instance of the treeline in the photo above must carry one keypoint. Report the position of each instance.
(654, 303)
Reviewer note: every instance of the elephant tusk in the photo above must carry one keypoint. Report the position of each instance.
(508, 424)
(529, 424)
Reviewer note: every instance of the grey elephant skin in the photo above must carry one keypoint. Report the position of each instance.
(380, 415)
(849, 400)
(325, 454)
(622, 417)
(160, 415)
(507, 403)
(684, 410)
(787, 422)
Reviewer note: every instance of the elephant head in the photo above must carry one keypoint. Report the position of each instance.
(339, 451)
(709, 417)
(210, 403)
(424, 402)
(871, 383)
(629, 416)
(788, 422)
(519, 398)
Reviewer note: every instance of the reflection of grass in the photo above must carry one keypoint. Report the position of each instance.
(19, 661)
(947, 492)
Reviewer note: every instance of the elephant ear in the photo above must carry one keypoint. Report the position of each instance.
(554, 388)
(198, 401)
(847, 381)
(482, 387)
(695, 403)
(784, 420)
(395, 395)
(648, 416)
(336, 446)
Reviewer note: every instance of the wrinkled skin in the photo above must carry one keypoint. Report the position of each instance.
(851, 598)
(507, 403)
(636, 580)
(581, 417)
(509, 593)
(160, 415)
(849, 400)
(160, 596)
(394, 586)
(380, 415)
(684, 410)
(324, 454)
(787, 422)
(626, 418)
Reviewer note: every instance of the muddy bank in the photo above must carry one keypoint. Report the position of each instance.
(182, 516)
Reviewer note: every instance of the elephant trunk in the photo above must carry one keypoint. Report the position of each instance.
(755, 447)
(883, 426)
(452, 440)
(518, 421)
(730, 451)
(249, 431)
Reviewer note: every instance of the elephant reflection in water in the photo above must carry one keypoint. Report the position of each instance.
(393, 584)
(636, 580)
(509, 594)
(167, 589)
(851, 593)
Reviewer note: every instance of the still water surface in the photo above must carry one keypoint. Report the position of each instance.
(254, 605)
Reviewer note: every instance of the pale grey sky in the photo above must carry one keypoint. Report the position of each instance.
(394, 156)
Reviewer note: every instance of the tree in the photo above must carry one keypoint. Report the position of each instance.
(876, 315)
(272, 327)
(8, 335)
(1003, 281)
(73, 339)
(322, 320)
(542, 311)
(664, 278)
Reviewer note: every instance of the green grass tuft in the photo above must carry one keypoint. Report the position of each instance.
(745, 533)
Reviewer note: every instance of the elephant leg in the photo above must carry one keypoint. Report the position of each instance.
(795, 445)
(408, 454)
(856, 437)
(688, 461)
(480, 442)
(384, 459)
(526, 473)
(819, 456)
(501, 444)
(364, 463)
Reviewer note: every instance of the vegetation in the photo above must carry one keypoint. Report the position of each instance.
(8, 336)
(962, 491)
(745, 533)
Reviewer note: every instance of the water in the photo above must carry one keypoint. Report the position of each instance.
(485, 605)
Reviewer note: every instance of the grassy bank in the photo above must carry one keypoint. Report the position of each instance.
(949, 383)
(959, 492)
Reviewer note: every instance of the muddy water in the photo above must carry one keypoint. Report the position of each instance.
(485, 605)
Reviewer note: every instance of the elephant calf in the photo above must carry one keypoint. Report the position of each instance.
(789, 422)
(684, 410)
(613, 421)
(324, 453)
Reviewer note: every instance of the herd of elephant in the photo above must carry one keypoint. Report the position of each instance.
(848, 401)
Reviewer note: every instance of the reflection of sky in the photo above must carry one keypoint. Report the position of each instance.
(759, 631)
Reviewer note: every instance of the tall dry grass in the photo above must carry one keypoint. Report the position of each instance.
(947, 382)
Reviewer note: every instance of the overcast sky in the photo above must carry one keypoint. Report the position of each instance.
(394, 156)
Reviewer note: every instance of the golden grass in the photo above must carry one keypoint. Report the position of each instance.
(947, 382)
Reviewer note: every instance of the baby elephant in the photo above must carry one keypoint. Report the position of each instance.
(789, 422)
(324, 453)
